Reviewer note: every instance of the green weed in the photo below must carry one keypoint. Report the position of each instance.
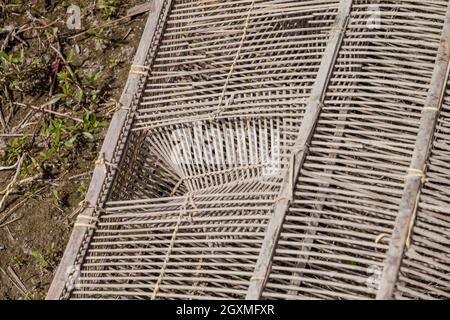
(16, 262)
(42, 262)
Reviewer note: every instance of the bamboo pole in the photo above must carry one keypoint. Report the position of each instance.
(299, 151)
(416, 175)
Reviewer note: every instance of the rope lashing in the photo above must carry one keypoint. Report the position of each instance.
(120, 106)
(259, 279)
(430, 109)
(233, 66)
(139, 69)
(81, 218)
(177, 186)
(412, 222)
(337, 29)
(295, 151)
(91, 222)
(220, 109)
(183, 209)
(86, 217)
(318, 102)
(414, 173)
(101, 161)
(282, 199)
(81, 206)
(321, 104)
(190, 200)
(85, 225)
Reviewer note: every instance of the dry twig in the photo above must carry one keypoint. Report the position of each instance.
(55, 113)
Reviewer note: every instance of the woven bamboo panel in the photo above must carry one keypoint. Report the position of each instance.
(203, 246)
(352, 181)
(254, 71)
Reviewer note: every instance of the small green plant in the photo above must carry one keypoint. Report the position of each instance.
(90, 122)
(95, 32)
(28, 295)
(42, 262)
(70, 56)
(15, 150)
(62, 133)
(56, 198)
(11, 59)
(67, 81)
(92, 79)
(10, 73)
(82, 189)
(55, 131)
(113, 62)
(109, 8)
(16, 262)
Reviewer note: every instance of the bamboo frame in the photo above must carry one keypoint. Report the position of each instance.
(340, 101)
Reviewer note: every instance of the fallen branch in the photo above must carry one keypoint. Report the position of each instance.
(19, 286)
(9, 188)
(43, 110)
(17, 280)
(10, 167)
(78, 176)
(13, 135)
(3, 122)
(10, 222)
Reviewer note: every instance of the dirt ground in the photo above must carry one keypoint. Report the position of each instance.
(46, 158)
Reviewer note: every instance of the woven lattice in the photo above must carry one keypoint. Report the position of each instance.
(272, 151)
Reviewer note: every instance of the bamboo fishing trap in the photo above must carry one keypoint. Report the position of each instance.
(274, 149)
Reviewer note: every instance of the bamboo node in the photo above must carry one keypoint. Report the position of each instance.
(82, 206)
(416, 173)
(85, 225)
(120, 106)
(303, 148)
(430, 109)
(139, 69)
(282, 199)
(338, 29)
(86, 217)
(259, 279)
(101, 161)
